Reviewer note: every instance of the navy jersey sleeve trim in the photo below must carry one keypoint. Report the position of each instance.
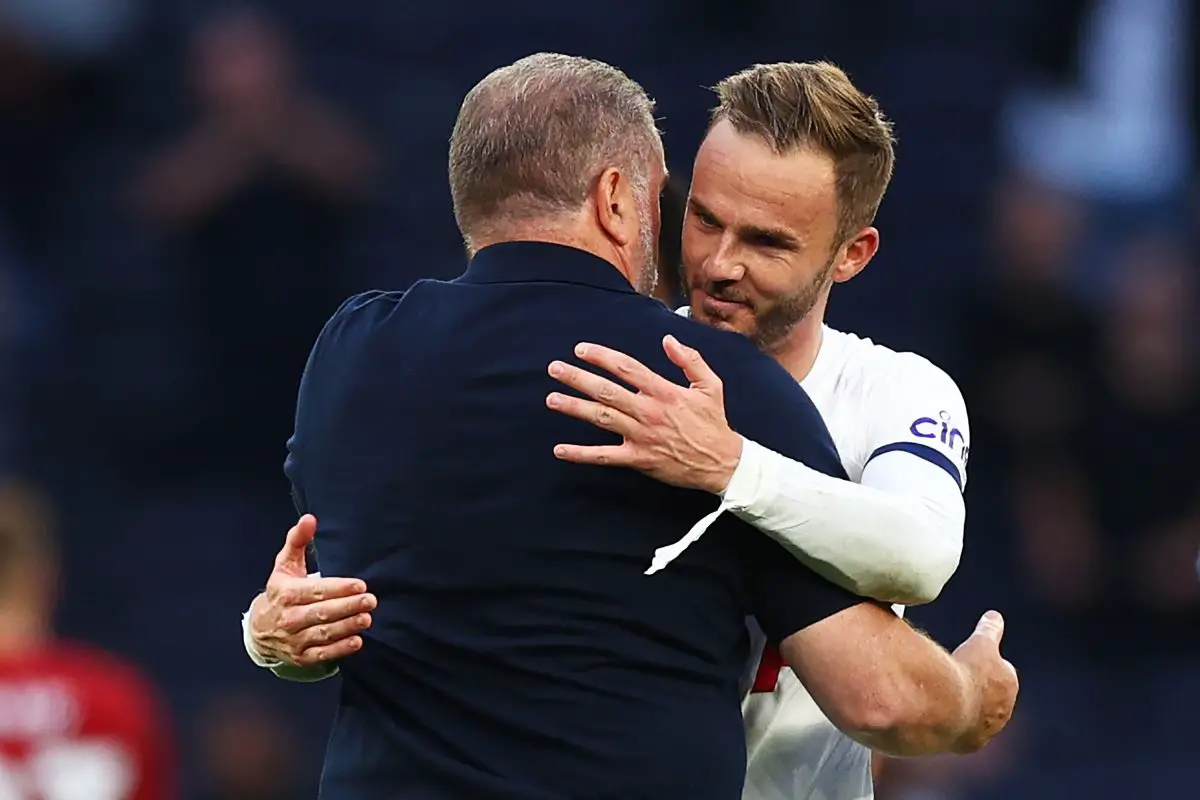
(925, 452)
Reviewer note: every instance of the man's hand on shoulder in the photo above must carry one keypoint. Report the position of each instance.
(675, 434)
(304, 620)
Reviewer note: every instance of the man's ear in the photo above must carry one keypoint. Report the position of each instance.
(616, 206)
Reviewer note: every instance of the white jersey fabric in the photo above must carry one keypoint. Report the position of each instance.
(900, 424)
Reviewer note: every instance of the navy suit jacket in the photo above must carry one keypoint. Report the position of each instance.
(519, 650)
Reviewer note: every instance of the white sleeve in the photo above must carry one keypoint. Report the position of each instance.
(288, 672)
(896, 536)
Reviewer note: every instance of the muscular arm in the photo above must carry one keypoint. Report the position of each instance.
(884, 684)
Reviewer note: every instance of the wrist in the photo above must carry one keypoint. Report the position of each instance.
(255, 652)
(971, 719)
(728, 456)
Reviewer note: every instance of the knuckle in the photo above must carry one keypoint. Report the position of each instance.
(604, 415)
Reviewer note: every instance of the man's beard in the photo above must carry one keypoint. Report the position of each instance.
(772, 326)
(646, 275)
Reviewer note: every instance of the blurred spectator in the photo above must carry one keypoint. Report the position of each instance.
(74, 722)
(247, 752)
(254, 200)
(1030, 339)
(1108, 526)
(1107, 113)
(1138, 447)
(76, 30)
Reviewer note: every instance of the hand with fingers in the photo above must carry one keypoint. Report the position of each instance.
(675, 434)
(994, 677)
(302, 620)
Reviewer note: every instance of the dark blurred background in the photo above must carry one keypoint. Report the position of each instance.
(188, 189)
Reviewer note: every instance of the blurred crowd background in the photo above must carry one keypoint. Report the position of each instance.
(188, 189)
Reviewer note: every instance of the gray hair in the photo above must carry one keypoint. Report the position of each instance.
(531, 139)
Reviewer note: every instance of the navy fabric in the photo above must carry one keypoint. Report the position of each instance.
(519, 650)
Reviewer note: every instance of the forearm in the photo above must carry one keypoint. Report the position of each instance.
(288, 672)
(935, 705)
(895, 546)
(915, 700)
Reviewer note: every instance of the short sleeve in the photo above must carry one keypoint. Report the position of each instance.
(916, 408)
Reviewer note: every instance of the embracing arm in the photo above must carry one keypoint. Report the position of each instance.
(302, 624)
(896, 534)
(894, 690)
(298, 673)
(895, 537)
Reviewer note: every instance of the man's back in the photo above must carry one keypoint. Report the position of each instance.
(518, 649)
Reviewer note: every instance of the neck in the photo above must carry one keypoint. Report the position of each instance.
(569, 233)
(21, 632)
(798, 351)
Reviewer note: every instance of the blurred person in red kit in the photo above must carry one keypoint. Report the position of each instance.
(75, 722)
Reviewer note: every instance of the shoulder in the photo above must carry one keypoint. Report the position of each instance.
(365, 305)
(883, 375)
(906, 402)
(364, 316)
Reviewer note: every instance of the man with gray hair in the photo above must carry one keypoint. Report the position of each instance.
(519, 646)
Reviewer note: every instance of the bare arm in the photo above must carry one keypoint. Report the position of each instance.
(896, 691)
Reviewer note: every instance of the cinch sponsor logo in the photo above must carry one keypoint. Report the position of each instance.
(943, 430)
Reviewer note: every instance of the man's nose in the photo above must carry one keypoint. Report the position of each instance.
(724, 265)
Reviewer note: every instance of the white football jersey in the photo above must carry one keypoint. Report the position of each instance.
(875, 402)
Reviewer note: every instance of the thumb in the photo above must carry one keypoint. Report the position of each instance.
(991, 627)
(291, 559)
(691, 362)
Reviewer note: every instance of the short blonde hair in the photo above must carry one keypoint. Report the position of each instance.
(793, 105)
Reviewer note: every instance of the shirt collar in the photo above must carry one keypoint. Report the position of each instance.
(527, 262)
